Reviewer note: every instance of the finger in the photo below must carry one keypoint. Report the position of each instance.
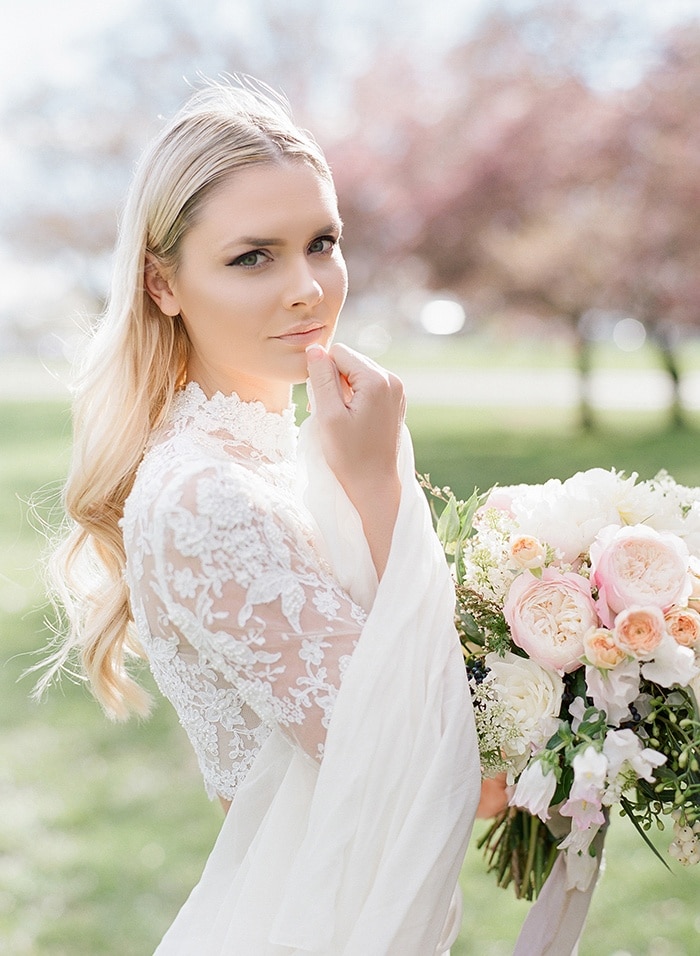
(355, 368)
(323, 375)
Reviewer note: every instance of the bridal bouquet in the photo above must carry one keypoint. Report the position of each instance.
(578, 609)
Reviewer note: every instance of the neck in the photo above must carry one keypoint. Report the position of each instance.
(275, 396)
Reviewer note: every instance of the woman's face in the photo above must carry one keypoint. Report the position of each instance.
(260, 277)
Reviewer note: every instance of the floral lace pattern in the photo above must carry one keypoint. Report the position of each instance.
(243, 624)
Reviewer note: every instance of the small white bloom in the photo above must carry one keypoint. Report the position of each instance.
(535, 789)
(672, 664)
(581, 865)
(614, 690)
(577, 708)
(624, 749)
(590, 767)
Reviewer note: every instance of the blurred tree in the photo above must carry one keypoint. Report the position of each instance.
(507, 172)
(79, 142)
(658, 265)
(521, 180)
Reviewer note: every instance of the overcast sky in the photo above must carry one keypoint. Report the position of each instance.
(51, 38)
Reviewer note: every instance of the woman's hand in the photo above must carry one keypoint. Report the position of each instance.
(494, 796)
(360, 409)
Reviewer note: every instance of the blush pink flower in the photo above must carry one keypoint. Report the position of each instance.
(638, 566)
(584, 804)
(683, 624)
(601, 649)
(639, 631)
(527, 551)
(549, 615)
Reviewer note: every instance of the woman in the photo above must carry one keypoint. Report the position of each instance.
(295, 609)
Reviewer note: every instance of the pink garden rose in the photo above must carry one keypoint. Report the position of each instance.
(683, 624)
(549, 615)
(638, 566)
(527, 552)
(639, 631)
(601, 648)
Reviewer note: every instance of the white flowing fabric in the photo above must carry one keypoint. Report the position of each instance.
(555, 921)
(360, 855)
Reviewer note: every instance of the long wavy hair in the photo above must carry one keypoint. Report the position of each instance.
(134, 362)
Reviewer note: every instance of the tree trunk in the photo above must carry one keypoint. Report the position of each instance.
(584, 353)
(661, 333)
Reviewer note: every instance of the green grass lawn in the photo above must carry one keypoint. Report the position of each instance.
(104, 827)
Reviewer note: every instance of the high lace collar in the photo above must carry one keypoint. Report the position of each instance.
(273, 434)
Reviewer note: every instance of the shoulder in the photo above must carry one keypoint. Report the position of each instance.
(177, 475)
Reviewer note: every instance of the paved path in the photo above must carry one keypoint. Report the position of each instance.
(534, 388)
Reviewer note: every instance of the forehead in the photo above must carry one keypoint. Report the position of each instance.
(273, 193)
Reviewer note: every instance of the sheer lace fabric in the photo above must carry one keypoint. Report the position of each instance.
(244, 625)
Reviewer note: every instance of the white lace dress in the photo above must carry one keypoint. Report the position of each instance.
(331, 711)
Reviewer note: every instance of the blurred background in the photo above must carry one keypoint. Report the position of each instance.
(520, 184)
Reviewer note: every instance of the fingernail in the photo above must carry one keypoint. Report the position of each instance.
(314, 352)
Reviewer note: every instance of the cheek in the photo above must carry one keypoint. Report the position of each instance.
(340, 283)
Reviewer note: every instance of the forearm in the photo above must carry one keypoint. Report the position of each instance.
(377, 504)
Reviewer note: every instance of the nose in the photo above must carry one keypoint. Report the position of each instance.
(302, 288)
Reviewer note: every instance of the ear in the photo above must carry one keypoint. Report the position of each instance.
(159, 288)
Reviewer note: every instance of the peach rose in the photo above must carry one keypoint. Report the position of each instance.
(640, 630)
(683, 624)
(527, 552)
(638, 566)
(548, 617)
(601, 649)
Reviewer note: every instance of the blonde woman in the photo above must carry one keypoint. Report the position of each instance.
(285, 587)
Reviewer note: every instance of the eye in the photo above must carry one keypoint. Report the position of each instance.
(323, 245)
(251, 260)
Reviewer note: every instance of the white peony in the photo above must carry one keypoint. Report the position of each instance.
(568, 515)
(532, 695)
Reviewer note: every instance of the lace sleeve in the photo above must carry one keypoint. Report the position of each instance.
(233, 572)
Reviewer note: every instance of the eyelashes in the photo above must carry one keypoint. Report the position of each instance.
(257, 258)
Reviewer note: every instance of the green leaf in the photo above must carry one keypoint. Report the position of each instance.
(448, 526)
(629, 810)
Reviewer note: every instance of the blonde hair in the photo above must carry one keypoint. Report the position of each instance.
(135, 361)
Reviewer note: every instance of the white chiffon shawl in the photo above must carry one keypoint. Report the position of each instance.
(359, 855)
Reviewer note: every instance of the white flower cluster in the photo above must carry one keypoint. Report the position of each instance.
(486, 555)
(686, 841)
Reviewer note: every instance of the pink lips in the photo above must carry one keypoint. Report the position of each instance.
(302, 335)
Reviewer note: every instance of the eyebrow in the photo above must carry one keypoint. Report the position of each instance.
(335, 226)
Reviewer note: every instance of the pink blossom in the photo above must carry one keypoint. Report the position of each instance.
(584, 805)
(549, 615)
(683, 624)
(601, 649)
(527, 552)
(639, 631)
(638, 566)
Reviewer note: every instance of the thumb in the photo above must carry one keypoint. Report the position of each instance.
(324, 377)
